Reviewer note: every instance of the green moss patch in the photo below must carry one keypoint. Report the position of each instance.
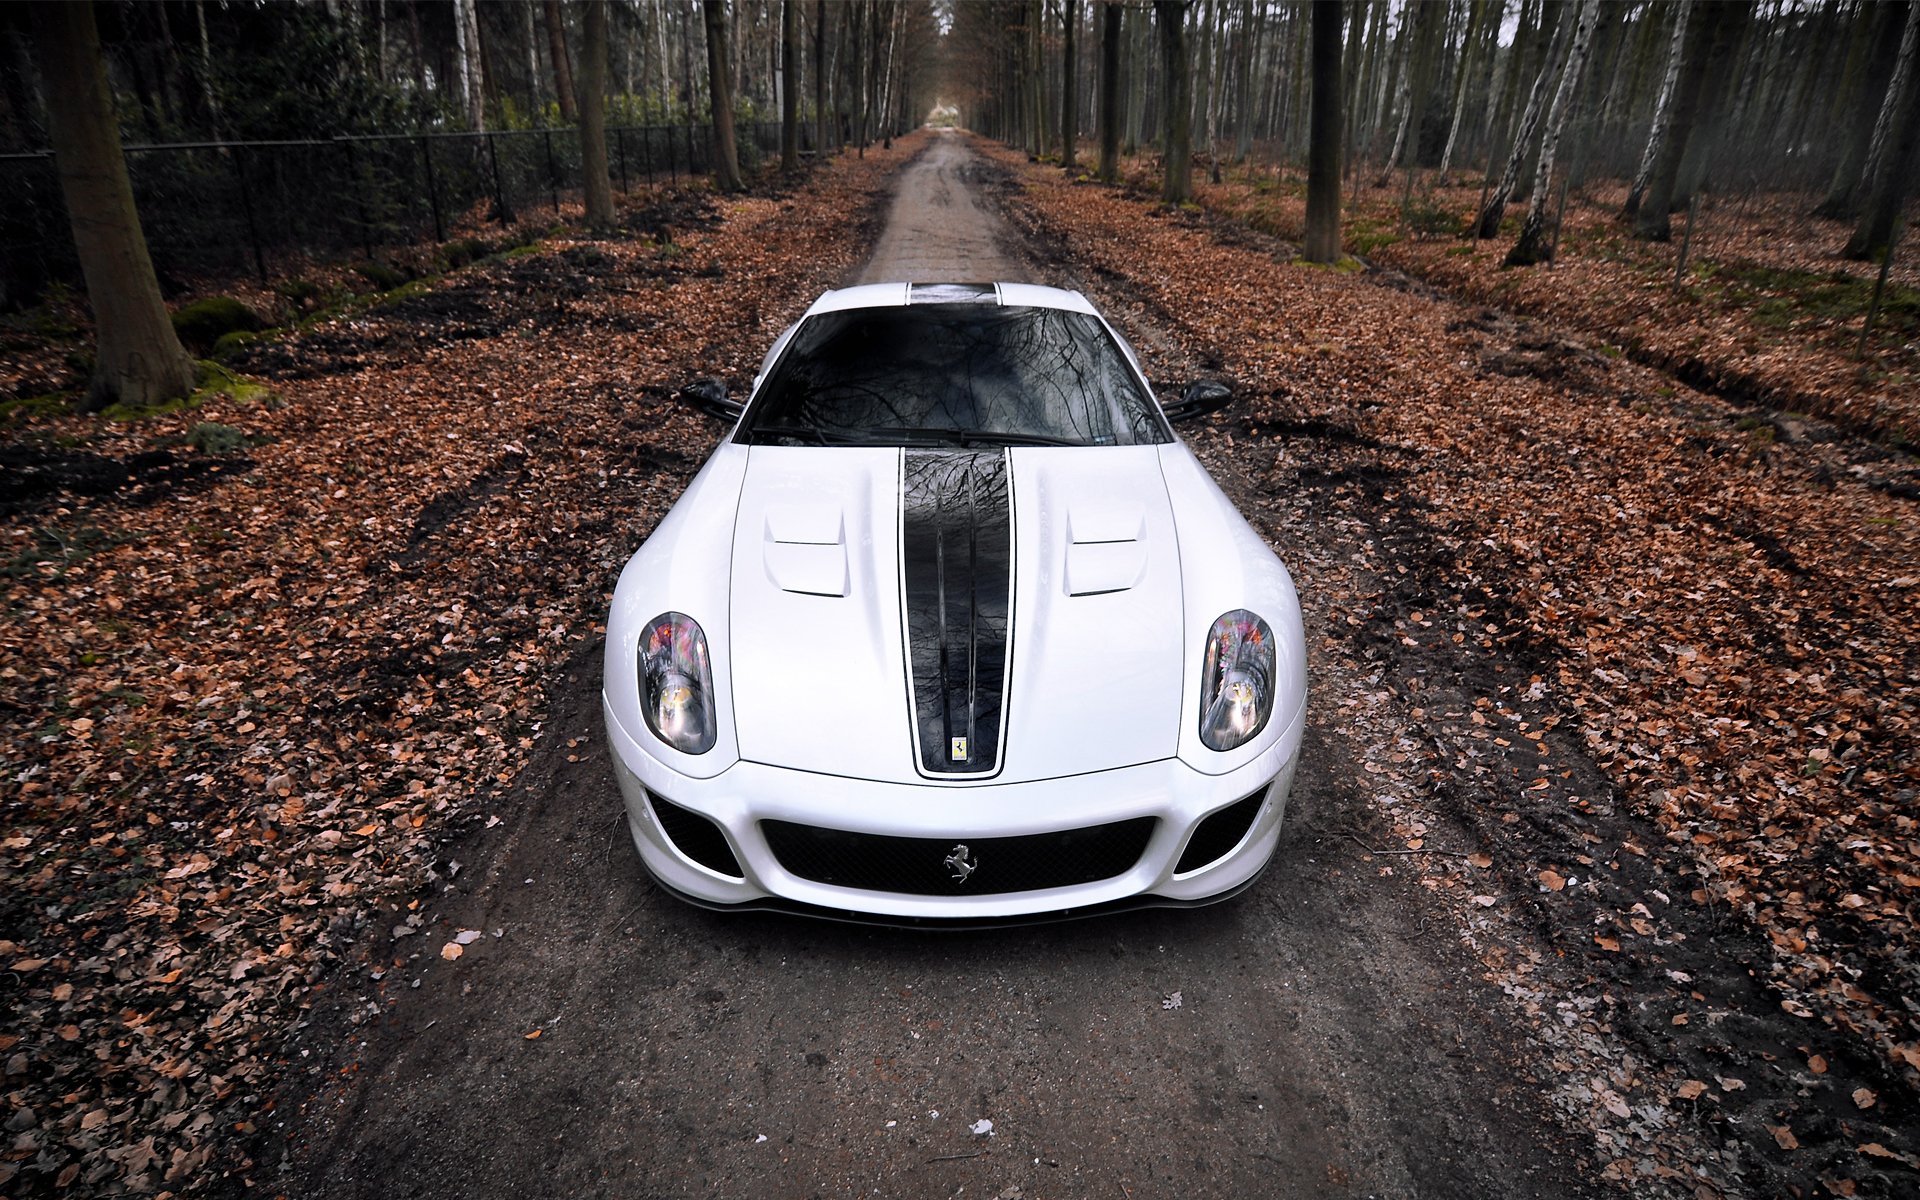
(204, 322)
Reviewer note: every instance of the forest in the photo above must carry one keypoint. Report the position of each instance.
(1575, 352)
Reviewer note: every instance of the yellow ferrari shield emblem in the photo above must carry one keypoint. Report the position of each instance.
(959, 749)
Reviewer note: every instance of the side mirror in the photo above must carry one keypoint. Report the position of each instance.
(1198, 400)
(709, 396)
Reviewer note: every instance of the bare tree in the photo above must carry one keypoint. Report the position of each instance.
(1890, 170)
(726, 159)
(593, 117)
(137, 357)
(820, 76)
(1069, 89)
(1323, 145)
(562, 63)
(1532, 246)
(1468, 61)
(1488, 223)
(1177, 73)
(1110, 34)
(1662, 110)
(789, 84)
(1404, 100)
(1710, 31)
(467, 62)
(1870, 62)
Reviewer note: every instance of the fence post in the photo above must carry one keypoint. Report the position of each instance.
(620, 146)
(553, 172)
(499, 193)
(646, 151)
(433, 190)
(246, 206)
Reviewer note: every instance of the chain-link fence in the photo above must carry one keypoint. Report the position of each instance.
(214, 208)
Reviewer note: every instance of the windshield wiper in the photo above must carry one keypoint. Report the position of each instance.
(967, 437)
(807, 434)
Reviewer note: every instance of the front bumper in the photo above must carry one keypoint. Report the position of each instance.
(738, 799)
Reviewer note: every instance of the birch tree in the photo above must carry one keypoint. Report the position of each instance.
(1488, 223)
(1532, 246)
(467, 63)
(1709, 30)
(1662, 110)
(1468, 61)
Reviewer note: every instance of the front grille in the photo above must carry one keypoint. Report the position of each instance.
(920, 866)
(1219, 833)
(695, 836)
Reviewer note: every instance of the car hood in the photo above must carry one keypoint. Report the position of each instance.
(955, 616)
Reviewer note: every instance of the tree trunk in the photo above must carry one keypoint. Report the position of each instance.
(536, 103)
(820, 77)
(562, 64)
(1733, 24)
(1707, 35)
(1532, 246)
(137, 357)
(1110, 32)
(466, 36)
(1252, 29)
(1467, 54)
(789, 84)
(1135, 21)
(1408, 58)
(1662, 110)
(593, 118)
(1865, 89)
(1488, 223)
(1069, 88)
(1890, 170)
(1323, 145)
(1177, 144)
(726, 159)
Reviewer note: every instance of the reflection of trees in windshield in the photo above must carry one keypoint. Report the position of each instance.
(930, 369)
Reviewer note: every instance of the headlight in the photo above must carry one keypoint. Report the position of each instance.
(676, 683)
(1236, 681)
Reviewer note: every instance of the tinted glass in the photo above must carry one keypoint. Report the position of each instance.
(953, 374)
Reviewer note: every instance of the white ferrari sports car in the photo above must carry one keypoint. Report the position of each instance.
(952, 630)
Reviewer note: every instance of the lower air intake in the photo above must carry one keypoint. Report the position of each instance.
(958, 866)
(1216, 836)
(695, 836)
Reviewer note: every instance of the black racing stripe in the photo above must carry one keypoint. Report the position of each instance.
(956, 527)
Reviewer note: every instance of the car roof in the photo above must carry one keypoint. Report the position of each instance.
(895, 295)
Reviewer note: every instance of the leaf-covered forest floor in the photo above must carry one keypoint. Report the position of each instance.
(1704, 786)
(246, 697)
(1768, 314)
(1654, 652)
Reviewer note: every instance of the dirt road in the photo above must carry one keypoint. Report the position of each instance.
(940, 227)
(1324, 1035)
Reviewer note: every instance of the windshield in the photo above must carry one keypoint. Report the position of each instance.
(953, 374)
